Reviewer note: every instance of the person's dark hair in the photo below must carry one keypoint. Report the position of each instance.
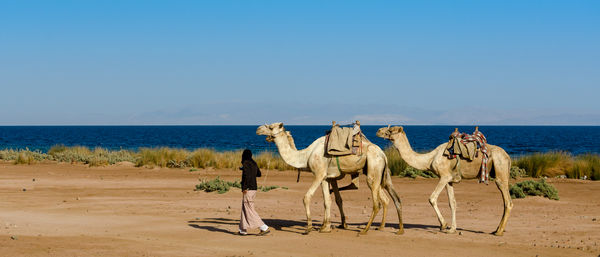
(246, 155)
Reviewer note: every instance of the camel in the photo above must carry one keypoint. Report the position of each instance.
(354, 176)
(314, 158)
(499, 162)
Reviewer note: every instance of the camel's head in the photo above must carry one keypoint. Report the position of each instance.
(388, 131)
(270, 130)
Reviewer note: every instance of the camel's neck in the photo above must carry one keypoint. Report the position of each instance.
(412, 158)
(291, 156)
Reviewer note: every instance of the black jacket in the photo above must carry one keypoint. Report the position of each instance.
(249, 173)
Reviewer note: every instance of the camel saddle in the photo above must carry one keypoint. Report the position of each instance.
(341, 141)
(465, 147)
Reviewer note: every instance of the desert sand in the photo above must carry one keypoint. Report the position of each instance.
(73, 210)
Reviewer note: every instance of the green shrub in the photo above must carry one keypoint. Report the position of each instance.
(97, 157)
(516, 192)
(414, 173)
(25, 156)
(267, 188)
(516, 172)
(536, 188)
(217, 184)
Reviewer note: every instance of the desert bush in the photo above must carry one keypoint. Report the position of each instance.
(24, 156)
(113, 157)
(516, 172)
(414, 173)
(97, 157)
(8, 155)
(545, 164)
(267, 188)
(217, 184)
(536, 188)
(70, 154)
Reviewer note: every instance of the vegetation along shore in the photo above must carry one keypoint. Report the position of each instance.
(549, 164)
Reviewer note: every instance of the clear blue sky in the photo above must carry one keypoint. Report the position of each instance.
(300, 62)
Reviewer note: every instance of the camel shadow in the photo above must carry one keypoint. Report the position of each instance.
(294, 226)
(436, 228)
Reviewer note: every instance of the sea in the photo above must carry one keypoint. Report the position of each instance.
(516, 140)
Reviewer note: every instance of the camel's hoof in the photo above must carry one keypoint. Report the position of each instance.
(343, 226)
(449, 231)
(307, 231)
(363, 232)
(498, 233)
(325, 229)
(400, 232)
(444, 227)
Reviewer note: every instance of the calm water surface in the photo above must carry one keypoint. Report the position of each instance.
(514, 139)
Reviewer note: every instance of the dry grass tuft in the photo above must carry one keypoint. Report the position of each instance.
(585, 166)
(548, 164)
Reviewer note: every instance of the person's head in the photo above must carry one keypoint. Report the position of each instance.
(246, 155)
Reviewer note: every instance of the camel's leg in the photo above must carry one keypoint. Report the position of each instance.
(452, 203)
(326, 227)
(434, 196)
(307, 197)
(390, 189)
(338, 201)
(503, 186)
(375, 197)
(384, 201)
(502, 162)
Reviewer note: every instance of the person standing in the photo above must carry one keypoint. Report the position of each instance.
(249, 217)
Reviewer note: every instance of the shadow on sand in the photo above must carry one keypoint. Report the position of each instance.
(294, 226)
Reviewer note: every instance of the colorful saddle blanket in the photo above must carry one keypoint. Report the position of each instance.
(468, 147)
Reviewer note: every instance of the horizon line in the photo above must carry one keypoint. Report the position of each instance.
(167, 125)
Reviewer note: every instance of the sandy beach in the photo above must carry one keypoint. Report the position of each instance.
(57, 209)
